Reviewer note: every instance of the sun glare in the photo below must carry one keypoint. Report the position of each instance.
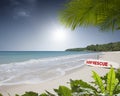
(59, 35)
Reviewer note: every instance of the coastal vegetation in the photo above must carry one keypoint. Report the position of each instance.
(99, 47)
(108, 85)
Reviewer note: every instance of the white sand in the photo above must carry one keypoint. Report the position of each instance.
(84, 73)
(111, 56)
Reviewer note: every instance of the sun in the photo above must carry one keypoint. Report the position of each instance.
(59, 35)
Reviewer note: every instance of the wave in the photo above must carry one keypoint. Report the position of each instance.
(40, 70)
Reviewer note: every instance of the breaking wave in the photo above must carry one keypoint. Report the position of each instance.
(39, 70)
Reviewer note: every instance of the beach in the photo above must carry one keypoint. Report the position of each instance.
(84, 72)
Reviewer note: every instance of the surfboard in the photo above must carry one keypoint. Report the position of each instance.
(101, 63)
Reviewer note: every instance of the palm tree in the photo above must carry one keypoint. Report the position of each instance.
(104, 14)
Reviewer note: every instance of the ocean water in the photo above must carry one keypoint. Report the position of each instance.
(22, 67)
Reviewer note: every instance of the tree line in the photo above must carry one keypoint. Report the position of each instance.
(99, 47)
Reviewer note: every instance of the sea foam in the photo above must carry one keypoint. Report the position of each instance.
(40, 70)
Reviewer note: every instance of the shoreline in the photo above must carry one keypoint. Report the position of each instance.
(49, 85)
(38, 74)
(84, 73)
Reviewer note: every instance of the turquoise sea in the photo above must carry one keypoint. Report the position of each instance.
(18, 67)
(20, 56)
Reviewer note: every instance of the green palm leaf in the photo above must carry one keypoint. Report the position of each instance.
(63, 91)
(104, 14)
(77, 85)
(98, 82)
(111, 82)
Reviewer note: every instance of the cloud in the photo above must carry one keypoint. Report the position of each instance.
(22, 14)
(31, 1)
(19, 14)
(22, 8)
(22, 1)
(15, 2)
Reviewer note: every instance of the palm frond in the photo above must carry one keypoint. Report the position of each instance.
(101, 13)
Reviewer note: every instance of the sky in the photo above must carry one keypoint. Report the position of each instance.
(33, 25)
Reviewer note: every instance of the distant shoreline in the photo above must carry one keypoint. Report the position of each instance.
(99, 48)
